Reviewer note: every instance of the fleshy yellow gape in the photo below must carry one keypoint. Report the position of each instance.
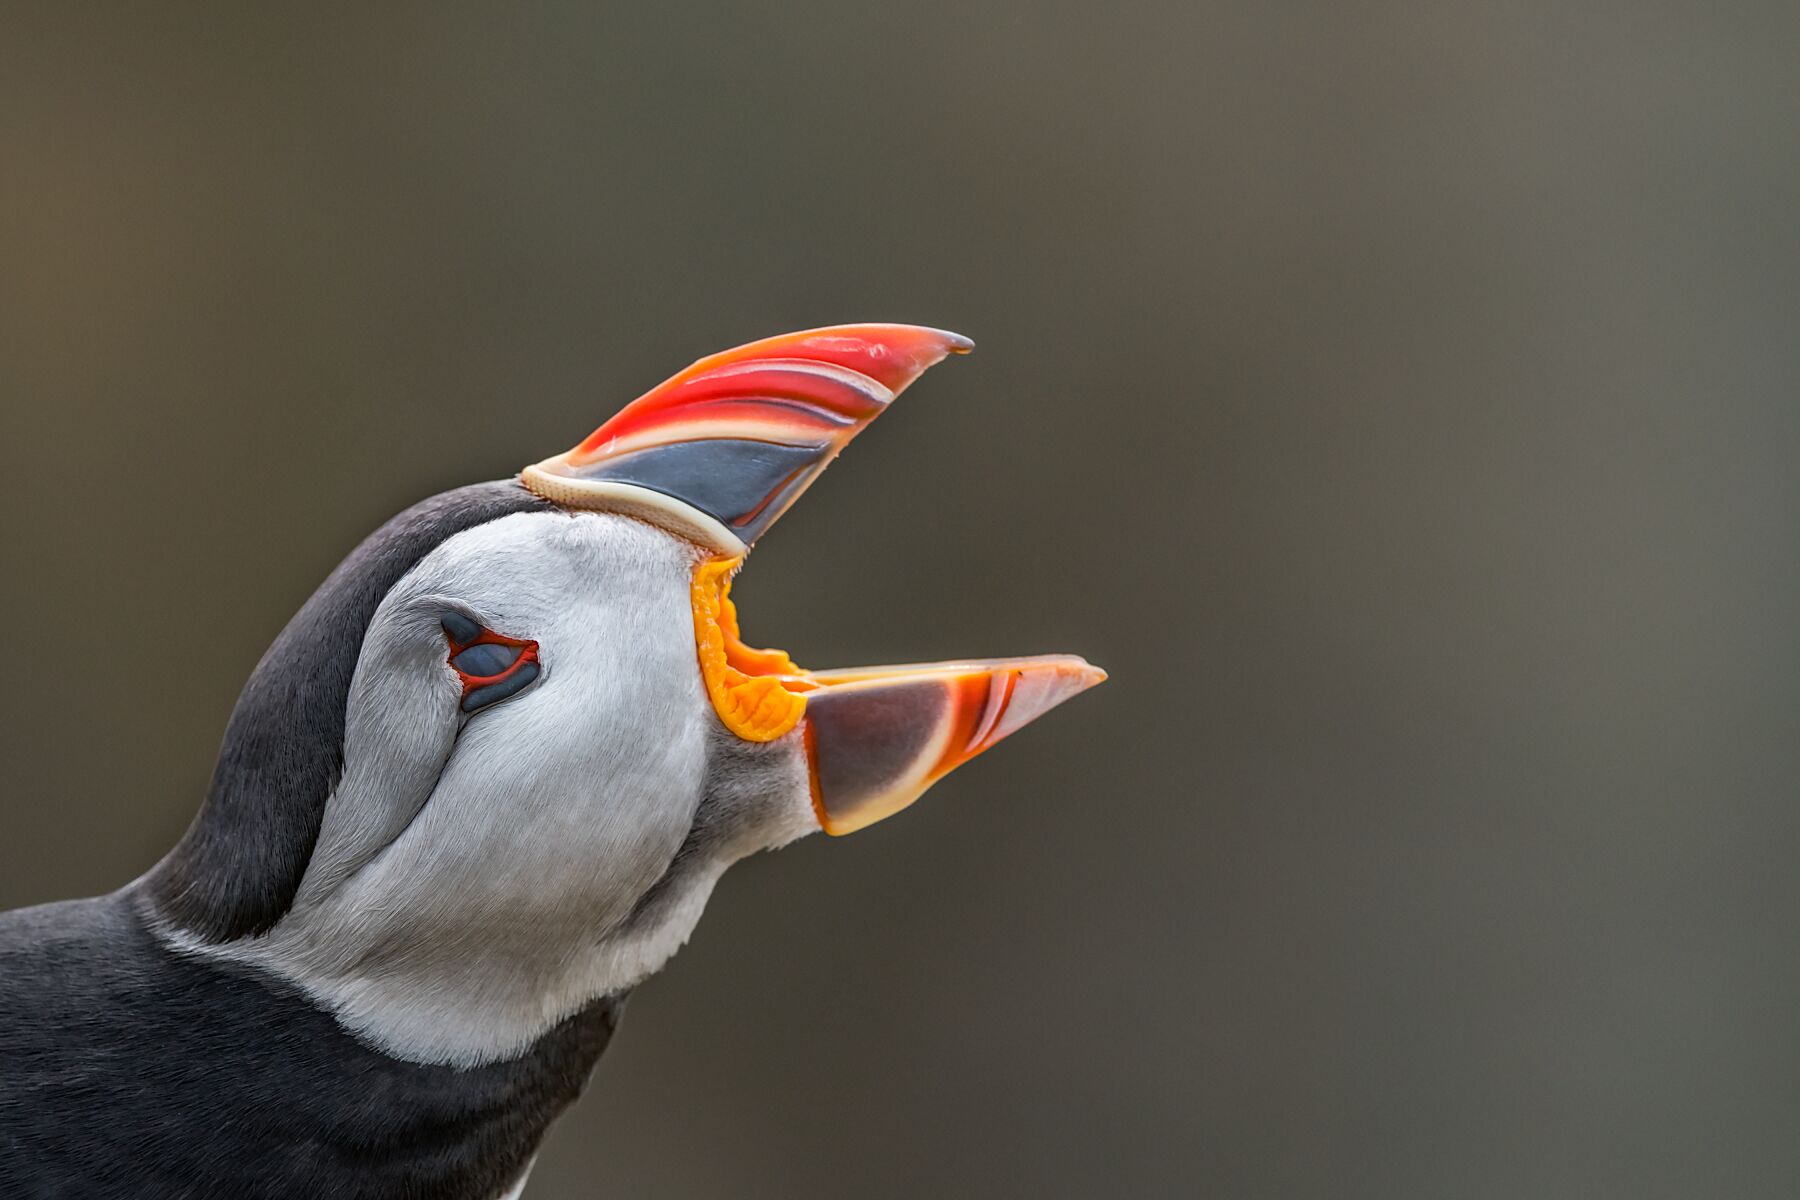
(755, 692)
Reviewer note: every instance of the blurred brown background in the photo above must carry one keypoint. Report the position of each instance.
(1399, 399)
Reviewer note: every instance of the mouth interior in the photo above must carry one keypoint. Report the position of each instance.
(758, 694)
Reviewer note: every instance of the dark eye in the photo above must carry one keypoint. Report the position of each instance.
(491, 665)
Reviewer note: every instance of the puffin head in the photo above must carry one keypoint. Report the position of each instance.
(491, 772)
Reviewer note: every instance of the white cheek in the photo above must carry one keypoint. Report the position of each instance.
(472, 868)
(568, 801)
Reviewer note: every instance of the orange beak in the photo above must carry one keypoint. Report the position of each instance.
(716, 454)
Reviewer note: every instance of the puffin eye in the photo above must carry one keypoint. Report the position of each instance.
(485, 659)
(491, 665)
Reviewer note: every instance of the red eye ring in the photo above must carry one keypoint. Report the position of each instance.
(528, 653)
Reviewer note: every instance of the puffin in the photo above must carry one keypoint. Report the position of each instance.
(480, 787)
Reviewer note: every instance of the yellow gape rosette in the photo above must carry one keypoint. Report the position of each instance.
(755, 692)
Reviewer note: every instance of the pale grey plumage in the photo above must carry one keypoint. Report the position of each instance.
(572, 833)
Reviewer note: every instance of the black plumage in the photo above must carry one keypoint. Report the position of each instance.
(131, 1072)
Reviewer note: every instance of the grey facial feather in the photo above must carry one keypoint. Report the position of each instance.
(479, 877)
(236, 869)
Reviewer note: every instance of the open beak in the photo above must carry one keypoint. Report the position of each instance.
(716, 454)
